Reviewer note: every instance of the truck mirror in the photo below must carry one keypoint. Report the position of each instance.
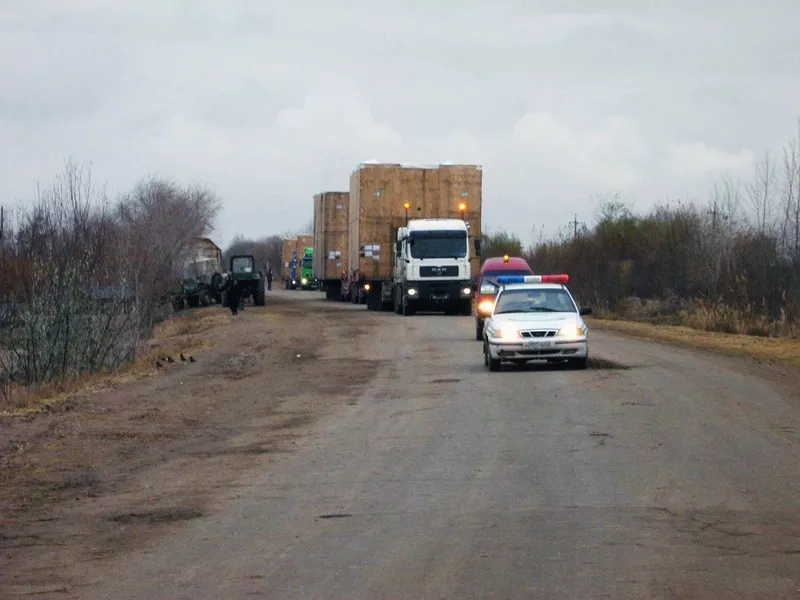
(477, 243)
(398, 247)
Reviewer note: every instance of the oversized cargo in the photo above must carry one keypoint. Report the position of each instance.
(292, 261)
(289, 246)
(330, 240)
(384, 196)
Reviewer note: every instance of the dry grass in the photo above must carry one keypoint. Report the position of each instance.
(176, 335)
(784, 350)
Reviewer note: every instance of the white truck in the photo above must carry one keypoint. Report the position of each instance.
(431, 268)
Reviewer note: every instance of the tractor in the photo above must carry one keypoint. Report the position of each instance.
(251, 282)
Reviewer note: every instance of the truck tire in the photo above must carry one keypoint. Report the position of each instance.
(205, 298)
(192, 301)
(258, 299)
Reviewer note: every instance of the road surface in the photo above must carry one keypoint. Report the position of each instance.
(657, 473)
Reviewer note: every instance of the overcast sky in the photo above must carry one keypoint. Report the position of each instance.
(269, 102)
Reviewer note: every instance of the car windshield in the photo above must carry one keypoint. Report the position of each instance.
(491, 276)
(534, 300)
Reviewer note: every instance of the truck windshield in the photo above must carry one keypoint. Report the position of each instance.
(307, 263)
(444, 247)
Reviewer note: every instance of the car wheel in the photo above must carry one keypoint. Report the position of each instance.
(492, 363)
(579, 363)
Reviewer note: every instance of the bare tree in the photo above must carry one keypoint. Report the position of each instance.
(790, 228)
(760, 192)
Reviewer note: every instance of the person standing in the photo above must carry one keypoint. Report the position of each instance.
(269, 278)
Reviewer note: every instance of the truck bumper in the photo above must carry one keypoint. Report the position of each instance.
(433, 293)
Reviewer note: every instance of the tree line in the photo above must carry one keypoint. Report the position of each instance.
(730, 264)
(83, 279)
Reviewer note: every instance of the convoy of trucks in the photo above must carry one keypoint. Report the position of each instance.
(402, 238)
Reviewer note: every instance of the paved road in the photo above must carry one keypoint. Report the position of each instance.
(676, 477)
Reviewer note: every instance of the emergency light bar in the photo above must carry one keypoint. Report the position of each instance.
(508, 279)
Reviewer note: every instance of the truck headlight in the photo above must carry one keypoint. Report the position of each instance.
(366, 287)
(304, 281)
(466, 291)
(411, 292)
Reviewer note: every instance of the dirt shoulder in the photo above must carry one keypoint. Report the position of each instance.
(782, 350)
(107, 469)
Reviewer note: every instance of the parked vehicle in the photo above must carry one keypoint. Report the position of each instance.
(486, 285)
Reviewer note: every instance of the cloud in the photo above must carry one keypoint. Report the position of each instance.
(270, 102)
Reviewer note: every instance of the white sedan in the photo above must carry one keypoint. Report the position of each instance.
(535, 318)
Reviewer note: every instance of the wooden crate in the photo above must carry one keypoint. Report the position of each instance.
(331, 211)
(289, 246)
(377, 196)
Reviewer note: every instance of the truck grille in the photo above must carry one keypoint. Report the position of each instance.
(538, 333)
(439, 271)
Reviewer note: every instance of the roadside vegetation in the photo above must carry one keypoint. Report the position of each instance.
(84, 279)
(731, 265)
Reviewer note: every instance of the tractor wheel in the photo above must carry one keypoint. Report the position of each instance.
(258, 297)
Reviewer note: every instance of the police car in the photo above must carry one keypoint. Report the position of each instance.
(535, 318)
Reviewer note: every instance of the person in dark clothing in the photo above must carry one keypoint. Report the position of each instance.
(234, 296)
(269, 278)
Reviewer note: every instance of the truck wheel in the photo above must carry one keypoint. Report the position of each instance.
(205, 298)
(407, 309)
(192, 301)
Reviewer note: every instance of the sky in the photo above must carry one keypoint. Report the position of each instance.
(268, 102)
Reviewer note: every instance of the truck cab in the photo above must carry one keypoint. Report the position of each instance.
(486, 285)
(432, 267)
(307, 280)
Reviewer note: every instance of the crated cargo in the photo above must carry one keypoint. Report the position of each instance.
(441, 205)
(330, 241)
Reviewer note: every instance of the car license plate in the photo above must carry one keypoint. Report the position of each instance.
(537, 344)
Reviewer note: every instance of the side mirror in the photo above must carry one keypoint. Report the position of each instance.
(477, 244)
(585, 310)
(398, 247)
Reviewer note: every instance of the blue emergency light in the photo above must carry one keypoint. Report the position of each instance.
(509, 279)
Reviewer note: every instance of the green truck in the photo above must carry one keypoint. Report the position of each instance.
(307, 279)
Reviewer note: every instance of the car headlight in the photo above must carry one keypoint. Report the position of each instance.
(487, 289)
(572, 331)
(506, 333)
(411, 292)
(485, 307)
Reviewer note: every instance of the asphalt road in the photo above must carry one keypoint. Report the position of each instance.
(658, 473)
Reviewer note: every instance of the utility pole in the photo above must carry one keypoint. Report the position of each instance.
(713, 212)
(575, 227)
